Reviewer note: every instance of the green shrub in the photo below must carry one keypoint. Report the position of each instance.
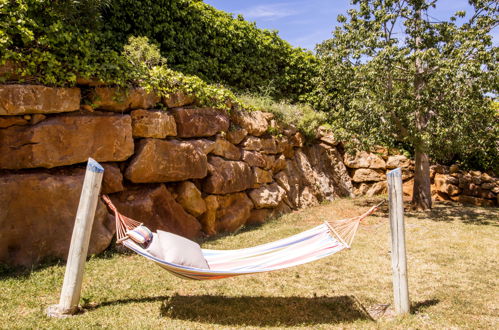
(301, 116)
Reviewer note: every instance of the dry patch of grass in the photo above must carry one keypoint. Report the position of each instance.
(453, 281)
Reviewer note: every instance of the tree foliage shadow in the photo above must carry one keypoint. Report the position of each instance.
(264, 311)
(450, 211)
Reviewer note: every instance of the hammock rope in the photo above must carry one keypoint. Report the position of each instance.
(310, 245)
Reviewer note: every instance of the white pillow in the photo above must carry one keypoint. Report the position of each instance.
(177, 250)
(155, 248)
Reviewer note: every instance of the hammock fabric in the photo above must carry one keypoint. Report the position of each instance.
(310, 245)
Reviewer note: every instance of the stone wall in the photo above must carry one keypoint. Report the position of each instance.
(169, 164)
(368, 172)
(173, 166)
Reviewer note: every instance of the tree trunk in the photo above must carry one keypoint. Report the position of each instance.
(421, 193)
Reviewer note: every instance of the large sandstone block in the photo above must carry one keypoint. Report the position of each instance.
(190, 198)
(153, 124)
(115, 99)
(367, 175)
(446, 184)
(178, 99)
(227, 176)
(233, 212)
(255, 158)
(24, 99)
(364, 159)
(264, 145)
(237, 135)
(200, 122)
(267, 196)
(66, 140)
(112, 180)
(397, 161)
(166, 161)
(37, 213)
(324, 171)
(226, 149)
(157, 209)
(209, 218)
(254, 122)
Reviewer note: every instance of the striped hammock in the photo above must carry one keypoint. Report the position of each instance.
(310, 245)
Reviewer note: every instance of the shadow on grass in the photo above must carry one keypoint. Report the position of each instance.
(420, 306)
(255, 311)
(449, 212)
(264, 311)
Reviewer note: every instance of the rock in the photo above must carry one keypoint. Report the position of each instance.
(36, 118)
(440, 196)
(453, 169)
(157, 209)
(267, 196)
(208, 219)
(226, 149)
(261, 176)
(190, 198)
(325, 135)
(255, 158)
(254, 122)
(153, 124)
(37, 214)
(227, 176)
(476, 173)
(486, 178)
(440, 169)
(486, 194)
(367, 175)
(237, 135)
(446, 184)
(233, 212)
(178, 99)
(200, 122)
(264, 145)
(488, 185)
(297, 140)
(23, 99)
(119, 100)
(330, 176)
(495, 190)
(279, 164)
(408, 187)
(11, 121)
(360, 189)
(66, 140)
(112, 180)
(259, 216)
(377, 188)
(397, 161)
(166, 161)
(473, 200)
(364, 159)
(204, 145)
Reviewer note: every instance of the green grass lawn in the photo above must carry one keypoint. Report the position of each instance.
(452, 263)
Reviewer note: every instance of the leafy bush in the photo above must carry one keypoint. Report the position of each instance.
(301, 116)
(59, 40)
(200, 40)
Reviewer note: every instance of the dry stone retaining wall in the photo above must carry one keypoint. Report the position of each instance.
(189, 170)
(368, 172)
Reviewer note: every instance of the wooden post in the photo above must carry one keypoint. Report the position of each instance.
(71, 288)
(399, 264)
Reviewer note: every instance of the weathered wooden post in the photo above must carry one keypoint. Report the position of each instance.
(71, 288)
(399, 264)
